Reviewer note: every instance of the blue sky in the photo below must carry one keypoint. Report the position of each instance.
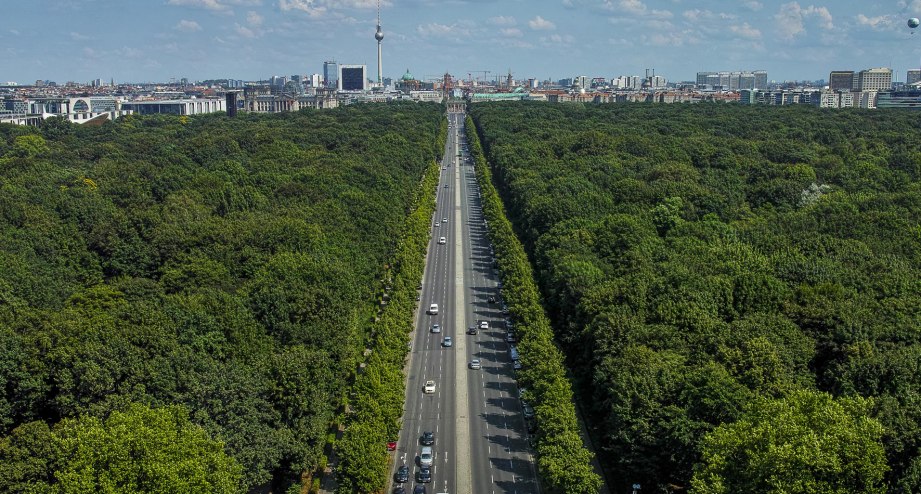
(155, 40)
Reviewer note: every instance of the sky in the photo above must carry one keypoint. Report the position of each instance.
(157, 40)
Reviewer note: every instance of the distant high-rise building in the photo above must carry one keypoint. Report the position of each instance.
(703, 78)
(314, 80)
(353, 78)
(914, 75)
(330, 73)
(878, 79)
(761, 79)
(841, 80)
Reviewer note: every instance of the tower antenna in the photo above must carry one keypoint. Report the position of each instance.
(379, 36)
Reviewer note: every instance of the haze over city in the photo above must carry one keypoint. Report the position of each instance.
(250, 39)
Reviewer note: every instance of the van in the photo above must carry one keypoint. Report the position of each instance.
(433, 309)
(427, 457)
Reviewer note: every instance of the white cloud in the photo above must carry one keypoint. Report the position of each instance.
(437, 30)
(254, 19)
(791, 19)
(245, 31)
(558, 39)
(511, 32)
(128, 52)
(205, 4)
(880, 22)
(744, 30)
(216, 5)
(753, 5)
(78, 37)
(540, 24)
(188, 26)
(316, 8)
(633, 6)
(502, 20)
(310, 7)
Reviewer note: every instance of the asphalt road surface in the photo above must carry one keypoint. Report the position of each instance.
(481, 439)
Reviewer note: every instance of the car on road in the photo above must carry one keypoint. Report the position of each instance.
(474, 364)
(433, 309)
(472, 330)
(427, 457)
(436, 328)
(419, 489)
(510, 338)
(484, 324)
(448, 342)
(403, 474)
(424, 475)
(427, 438)
(398, 490)
(527, 411)
(491, 299)
(513, 352)
(446, 186)
(444, 220)
(429, 387)
(516, 364)
(442, 240)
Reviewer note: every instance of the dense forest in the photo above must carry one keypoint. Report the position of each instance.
(194, 292)
(737, 289)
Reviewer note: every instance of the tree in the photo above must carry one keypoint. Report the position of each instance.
(807, 442)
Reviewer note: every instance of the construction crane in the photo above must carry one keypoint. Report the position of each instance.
(484, 72)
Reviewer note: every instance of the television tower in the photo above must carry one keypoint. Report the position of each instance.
(379, 36)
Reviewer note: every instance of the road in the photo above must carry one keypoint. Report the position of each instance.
(481, 439)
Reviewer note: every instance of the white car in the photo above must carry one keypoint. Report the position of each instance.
(484, 325)
(448, 342)
(429, 387)
(474, 364)
(444, 220)
(437, 224)
(442, 241)
(436, 328)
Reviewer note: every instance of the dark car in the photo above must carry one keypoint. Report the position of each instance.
(472, 330)
(419, 489)
(403, 474)
(491, 300)
(398, 490)
(427, 438)
(424, 475)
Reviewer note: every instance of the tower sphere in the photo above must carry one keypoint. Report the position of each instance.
(379, 35)
(914, 22)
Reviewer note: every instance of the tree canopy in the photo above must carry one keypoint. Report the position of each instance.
(230, 266)
(697, 258)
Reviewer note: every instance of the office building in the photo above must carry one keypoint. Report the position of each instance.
(331, 73)
(899, 99)
(176, 107)
(913, 76)
(878, 79)
(842, 80)
(733, 81)
(353, 78)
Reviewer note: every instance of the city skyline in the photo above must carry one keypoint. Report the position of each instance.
(82, 40)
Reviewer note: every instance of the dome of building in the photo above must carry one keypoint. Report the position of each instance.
(408, 77)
